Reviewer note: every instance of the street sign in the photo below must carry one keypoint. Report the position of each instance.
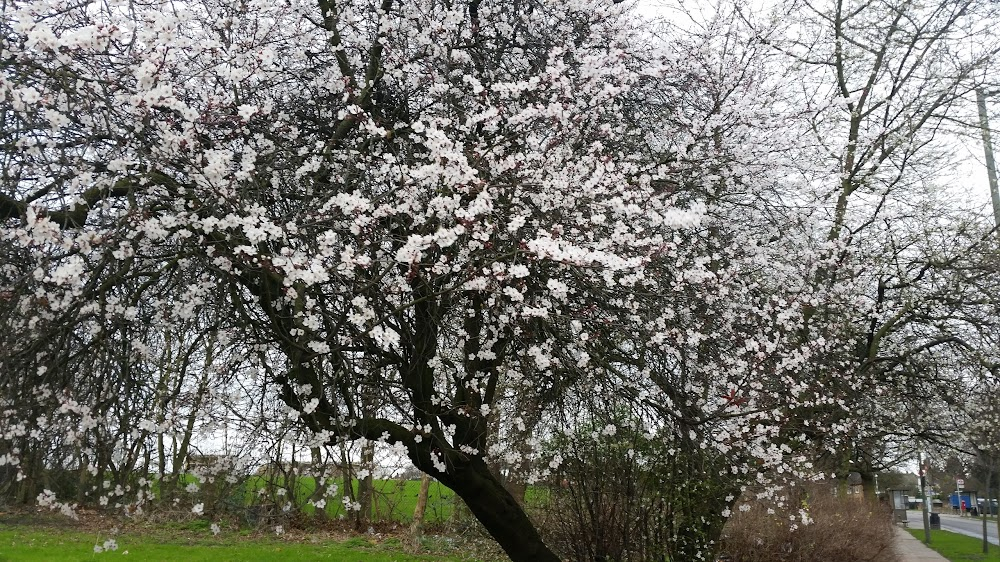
(960, 483)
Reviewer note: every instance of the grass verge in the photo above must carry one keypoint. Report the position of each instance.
(958, 548)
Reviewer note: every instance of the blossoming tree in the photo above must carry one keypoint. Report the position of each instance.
(416, 220)
(397, 198)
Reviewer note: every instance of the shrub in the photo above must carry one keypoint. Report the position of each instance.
(808, 525)
(625, 496)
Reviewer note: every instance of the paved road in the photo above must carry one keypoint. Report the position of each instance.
(969, 526)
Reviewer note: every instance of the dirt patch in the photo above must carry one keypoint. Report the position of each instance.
(39, 518)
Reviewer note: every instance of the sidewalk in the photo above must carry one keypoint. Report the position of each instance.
(911, 549)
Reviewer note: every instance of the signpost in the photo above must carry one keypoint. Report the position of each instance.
(959, 484)
(958, 494)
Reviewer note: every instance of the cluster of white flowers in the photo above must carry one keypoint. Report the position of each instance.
(108, 546)
(48, 499)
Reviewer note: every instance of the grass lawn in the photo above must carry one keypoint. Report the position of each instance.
(33, 544)
(959, 548)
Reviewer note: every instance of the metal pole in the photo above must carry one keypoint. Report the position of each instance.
(986, 542)
(991, 166)
(923, 491)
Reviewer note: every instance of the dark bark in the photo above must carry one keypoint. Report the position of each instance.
(467, 475)
(472, 480)
(498, 511)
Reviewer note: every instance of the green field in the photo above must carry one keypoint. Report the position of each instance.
(246, 513)
(260, 498)
(958, 548)
(26, 543)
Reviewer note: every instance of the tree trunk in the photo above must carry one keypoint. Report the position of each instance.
(993, 510)
(986, 508)
(366, 487)
(348, 473)
(318, 471)
(498, 511)
(988, 504)
(417, 528)
(868, 482)
(83, 478)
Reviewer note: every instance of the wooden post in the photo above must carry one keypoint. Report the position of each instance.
(417, 528)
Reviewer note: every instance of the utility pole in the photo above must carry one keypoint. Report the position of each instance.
(991, 166)
(926, 502)
(991, 172)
